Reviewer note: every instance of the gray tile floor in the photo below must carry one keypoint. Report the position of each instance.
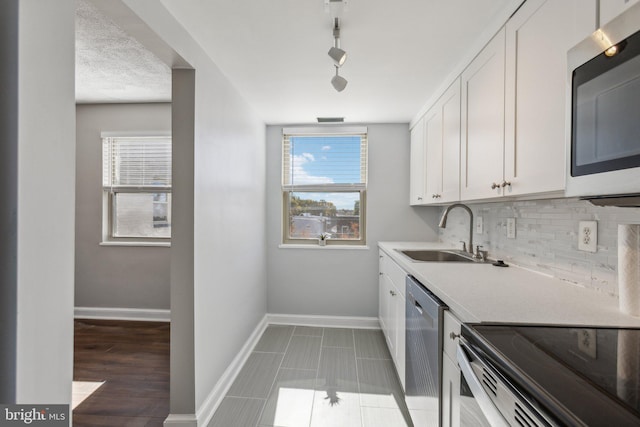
(299, 376)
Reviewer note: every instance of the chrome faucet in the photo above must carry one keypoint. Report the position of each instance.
(443, 222)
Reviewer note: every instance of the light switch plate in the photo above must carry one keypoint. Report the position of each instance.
(479, 226)
(511, 228)
(588, 236)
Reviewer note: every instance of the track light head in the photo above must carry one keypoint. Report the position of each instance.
(338, 55)
(338, 82)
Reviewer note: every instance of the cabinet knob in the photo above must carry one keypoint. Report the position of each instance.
(494, 185)
(419, 198)
(505, 184)
(381, 273)
(435, 196)
(393, 293)
(453, 336)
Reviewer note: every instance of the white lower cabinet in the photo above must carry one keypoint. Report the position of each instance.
(450, 372)
(391, 310)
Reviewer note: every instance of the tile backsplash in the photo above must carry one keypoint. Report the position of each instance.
(547, 237)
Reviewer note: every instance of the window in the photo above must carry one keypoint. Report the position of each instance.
(136, 186)
(324, 183)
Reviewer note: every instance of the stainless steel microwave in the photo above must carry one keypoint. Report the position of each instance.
(604, 133)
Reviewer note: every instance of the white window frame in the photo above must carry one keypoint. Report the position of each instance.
(109, 193)
(361, 188)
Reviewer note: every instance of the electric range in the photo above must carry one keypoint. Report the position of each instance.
(573, 376)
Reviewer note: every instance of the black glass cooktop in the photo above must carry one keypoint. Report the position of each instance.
(578, 375)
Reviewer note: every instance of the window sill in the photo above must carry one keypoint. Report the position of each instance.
(328, 247)
(140, 244)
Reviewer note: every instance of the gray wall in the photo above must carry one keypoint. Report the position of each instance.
(344, 282)
(222, 234)
(547, 237)
(45, 204)
(114, 276)
(8, 196)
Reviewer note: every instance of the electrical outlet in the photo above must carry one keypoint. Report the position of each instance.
(511, 228)
(587, 342)
(588, 236)
(479, 227)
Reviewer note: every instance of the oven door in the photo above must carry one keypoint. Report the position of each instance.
(487, 399)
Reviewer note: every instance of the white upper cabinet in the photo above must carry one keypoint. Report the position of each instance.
(417, 164)
(482, 122)
(538, 37)
(609, 9)
(443, 148)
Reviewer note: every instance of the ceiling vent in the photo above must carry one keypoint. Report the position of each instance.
(330, 119)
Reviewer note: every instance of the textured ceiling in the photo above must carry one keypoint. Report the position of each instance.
(275, 54)
(113, 67)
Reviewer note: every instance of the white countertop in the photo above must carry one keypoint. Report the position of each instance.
(484, 293)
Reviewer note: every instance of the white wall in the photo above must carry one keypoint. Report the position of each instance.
(114, 276)
(547, 237)
(344, 282)
(227, 244)
(45, 211)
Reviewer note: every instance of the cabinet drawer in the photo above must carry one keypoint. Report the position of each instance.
(396, 274)
(451, 326)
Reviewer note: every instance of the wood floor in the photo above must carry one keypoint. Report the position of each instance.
(133, 360)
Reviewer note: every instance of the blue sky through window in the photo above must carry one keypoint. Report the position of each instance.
(326, 160)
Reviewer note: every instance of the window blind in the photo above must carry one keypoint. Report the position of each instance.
(137, 162)
(322, 162)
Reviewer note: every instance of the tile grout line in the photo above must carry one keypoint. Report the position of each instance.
(355, 355)
(315, 381)
(276, 376)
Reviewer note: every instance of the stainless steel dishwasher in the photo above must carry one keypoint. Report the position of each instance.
(423, 381)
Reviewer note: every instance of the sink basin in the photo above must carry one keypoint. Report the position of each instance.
(440, 256)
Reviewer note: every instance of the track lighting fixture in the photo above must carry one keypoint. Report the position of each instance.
(338, 82)
(339, 57)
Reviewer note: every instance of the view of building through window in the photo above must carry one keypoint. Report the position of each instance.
(324, 184)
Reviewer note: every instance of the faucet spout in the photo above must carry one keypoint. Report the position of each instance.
(445, 214)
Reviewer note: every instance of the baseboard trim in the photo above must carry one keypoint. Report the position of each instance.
(324, 321)
(113, 313)
(181, 420)
(207, 410)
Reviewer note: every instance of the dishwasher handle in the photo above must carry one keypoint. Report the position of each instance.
(490, 411)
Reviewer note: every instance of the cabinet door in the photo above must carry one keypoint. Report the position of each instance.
(450, 191)
(482, 122)
(609, 9)
(450, 393)
(433, 132)
(417, 164)
(537, 39)
(388, 297)
(401, 338)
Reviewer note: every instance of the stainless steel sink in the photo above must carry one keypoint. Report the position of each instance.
(440, 256)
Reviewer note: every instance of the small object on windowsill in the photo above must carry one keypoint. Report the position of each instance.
(500, 263)
(322, 239)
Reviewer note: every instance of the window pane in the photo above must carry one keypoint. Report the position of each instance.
(145, 215)
(314, 213)
(320, 160)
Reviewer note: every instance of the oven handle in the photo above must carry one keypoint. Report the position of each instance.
(489, 410)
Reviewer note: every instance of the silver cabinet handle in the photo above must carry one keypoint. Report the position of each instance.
(453, 335)
(494, 185)
(487, 406)
(505, 184)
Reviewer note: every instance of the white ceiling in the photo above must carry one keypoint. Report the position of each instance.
(275, 54)
(111, 66)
